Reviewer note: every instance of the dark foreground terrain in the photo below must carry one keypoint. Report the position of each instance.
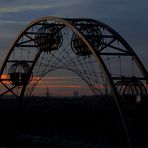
(86, 122)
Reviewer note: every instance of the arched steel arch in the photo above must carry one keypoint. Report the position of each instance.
(74, 25)
(85, 41)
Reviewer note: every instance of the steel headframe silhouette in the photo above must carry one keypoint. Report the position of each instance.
(89, 48)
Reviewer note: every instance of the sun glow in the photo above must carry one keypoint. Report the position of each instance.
(57, 85)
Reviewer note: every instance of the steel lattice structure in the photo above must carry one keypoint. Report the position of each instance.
(89, 48)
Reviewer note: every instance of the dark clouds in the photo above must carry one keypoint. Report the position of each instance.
(128, 17)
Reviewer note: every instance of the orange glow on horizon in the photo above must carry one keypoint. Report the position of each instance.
(5, 78)
(60, 92)
(64, 86)
(58, 86)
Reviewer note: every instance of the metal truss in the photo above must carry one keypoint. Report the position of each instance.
(89, 48)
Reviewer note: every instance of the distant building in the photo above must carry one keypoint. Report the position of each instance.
(47, 92)
(76, 94)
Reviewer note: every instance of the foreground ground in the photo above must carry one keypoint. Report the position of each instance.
(72, 122)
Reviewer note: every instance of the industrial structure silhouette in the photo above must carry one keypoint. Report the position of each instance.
(87, 47)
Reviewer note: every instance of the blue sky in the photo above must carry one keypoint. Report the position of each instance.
(128, 17)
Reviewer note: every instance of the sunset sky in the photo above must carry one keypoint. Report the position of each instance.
(128, 17)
